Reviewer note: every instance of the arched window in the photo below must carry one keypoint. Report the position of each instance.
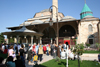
(91, 39)
(90, 28)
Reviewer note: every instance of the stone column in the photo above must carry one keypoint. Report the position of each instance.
(26, 40)
(17, 38)
(40, 40)
(99, 32)
(57, 41)
(7, 40)
(31, 40)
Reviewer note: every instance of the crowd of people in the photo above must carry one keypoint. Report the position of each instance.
(18, 51)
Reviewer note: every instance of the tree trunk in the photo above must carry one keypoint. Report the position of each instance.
(78, 61)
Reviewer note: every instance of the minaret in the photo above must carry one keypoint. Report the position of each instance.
(55, 9)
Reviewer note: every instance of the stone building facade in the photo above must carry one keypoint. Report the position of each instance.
(83, 30)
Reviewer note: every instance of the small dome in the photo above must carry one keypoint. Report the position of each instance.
(25, 23)
(37, 22)
(88, 16)
(54, 20)
(67, 17)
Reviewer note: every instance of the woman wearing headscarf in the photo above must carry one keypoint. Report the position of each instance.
(40, 52)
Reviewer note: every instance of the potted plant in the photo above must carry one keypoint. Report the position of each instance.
(88, 45)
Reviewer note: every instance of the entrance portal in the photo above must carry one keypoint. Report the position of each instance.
(67, 42)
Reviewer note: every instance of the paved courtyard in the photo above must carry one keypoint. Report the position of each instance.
(90, 57)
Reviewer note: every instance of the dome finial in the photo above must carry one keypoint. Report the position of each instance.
(85, 1)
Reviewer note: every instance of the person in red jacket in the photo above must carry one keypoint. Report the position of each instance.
(6, 50)
(44, 49)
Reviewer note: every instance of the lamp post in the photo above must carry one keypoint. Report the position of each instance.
(51, 22)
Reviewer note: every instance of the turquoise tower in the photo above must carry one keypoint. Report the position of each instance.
(85, 12)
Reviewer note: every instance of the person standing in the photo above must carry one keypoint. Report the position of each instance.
(52, 49)
(99, 57)
(1, 64)
(44, 49)
(10, 62)
(47, 49)
(11, 52)
(22, 54)
(18, 62)
(40, 53)
(6, 50)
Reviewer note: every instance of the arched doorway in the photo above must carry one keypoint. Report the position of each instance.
(67, 31)
(49, 34)
(65, 34)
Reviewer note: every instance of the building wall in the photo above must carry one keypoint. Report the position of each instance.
(84, 32)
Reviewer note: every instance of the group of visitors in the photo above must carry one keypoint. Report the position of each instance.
(13, 51)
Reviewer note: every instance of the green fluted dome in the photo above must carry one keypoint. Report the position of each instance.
(85, 11)
(86, 8)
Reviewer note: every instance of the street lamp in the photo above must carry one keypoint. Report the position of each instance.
(51, 21)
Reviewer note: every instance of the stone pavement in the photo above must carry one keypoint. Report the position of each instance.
(45, 59)
(91, 57)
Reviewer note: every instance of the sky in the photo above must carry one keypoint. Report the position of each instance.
(15, 12)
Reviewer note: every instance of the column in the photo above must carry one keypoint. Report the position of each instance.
(7, 40)
(26, 40)
(57, 41)
(31, 40)
(17, 38)
(40, 40)
(99, 32)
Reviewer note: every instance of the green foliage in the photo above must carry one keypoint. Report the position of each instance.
(99, 49)
(11, 40)
(79, 49)
(57, 59)
(1, 38)
(97, 45)
(87, 44)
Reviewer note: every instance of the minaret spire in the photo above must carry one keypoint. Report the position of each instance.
(85, 1)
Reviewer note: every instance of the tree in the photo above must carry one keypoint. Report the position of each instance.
(11, 40)
(97, 46)
(79, 49)
(1, 38)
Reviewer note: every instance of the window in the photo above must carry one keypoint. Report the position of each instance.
(90, 28)
(91, 39)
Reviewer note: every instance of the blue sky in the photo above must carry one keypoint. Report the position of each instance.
(15, 12)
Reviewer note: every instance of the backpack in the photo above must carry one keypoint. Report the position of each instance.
(35, 58)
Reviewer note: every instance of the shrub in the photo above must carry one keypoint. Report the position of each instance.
(57, 59)
(97, 45)
(87, 44)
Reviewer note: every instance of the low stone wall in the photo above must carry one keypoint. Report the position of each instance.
(91, 57)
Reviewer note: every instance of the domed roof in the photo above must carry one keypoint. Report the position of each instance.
(25, 23)
(53, 19)
(45, 10)
(86, 9)
(67, 17)
(88, 16)
(37, 22)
